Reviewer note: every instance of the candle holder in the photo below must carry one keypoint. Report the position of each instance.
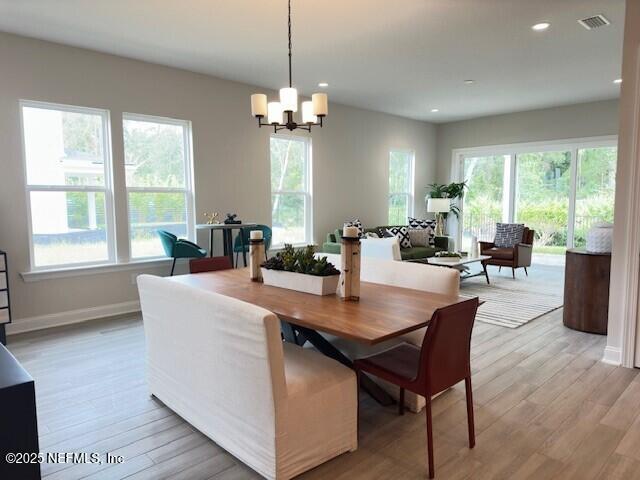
(350, 272)
(256, 256)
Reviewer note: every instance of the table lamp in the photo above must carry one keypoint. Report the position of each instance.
(439, 206)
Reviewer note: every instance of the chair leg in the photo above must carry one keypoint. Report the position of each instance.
(236, 266)
(525, 271)
(500, 268)
(513, 272)
(401, 402)
(358, 376)
(472, 432)
(427, 410)
(173, 266)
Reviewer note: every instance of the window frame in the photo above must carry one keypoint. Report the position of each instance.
(107, 189)
(409, 194)
(307, 194)
(571, 145)
(188, 190)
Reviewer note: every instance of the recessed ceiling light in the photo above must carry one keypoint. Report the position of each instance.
(469, 82)
(323, 84)
(539, 27)
(617, 81)
(434, 110)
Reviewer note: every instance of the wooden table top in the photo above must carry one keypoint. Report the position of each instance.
(383, 311)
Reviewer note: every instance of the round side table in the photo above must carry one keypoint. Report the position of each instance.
(586, 291)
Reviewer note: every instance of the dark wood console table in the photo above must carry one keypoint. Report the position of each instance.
(18, 422)
(586, 291)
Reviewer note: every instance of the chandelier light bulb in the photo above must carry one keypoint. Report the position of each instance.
(307, 113)
(274, 113)
(289, 99)
(320, 104)
(259, 105)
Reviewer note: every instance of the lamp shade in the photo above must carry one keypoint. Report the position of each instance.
(320, 104)
(274, 112)
(307, 113)
(289, 99)
(258, 105)
(438, 205)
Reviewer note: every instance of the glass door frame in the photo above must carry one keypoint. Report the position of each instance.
(511, 173)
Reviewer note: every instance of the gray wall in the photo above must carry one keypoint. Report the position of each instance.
(558, 123)
(350, 155)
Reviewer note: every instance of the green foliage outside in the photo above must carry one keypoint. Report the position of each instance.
(400, 165)
(542, 193)
(288, 187)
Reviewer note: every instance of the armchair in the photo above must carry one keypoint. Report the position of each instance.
(518, 256)
(175, 248)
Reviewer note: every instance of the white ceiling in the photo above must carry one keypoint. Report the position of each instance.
(398, 56)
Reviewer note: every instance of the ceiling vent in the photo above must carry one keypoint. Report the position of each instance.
(596, 21)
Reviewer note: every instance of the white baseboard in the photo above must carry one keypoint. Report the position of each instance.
(612, 356)
(22, 325)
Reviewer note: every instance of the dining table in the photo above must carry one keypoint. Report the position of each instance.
(227, 237)
(383, 312)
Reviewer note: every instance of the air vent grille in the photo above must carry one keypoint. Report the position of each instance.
(596, 21)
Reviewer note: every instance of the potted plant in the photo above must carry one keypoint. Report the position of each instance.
(452, 191)
(300, 270)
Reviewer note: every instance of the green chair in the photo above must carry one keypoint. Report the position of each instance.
(175, 248)
(240, 246)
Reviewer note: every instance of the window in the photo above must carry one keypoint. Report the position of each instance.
(559, 189)
(400, 186)
(157, 157)
(290, 189)
(68, 184)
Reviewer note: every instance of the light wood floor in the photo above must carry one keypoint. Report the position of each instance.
(545, 408)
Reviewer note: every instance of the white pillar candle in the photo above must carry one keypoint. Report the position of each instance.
(320, 104)
(307, 113)
(256, 235)
(289, 99)
(274, 112)
(258, 104)
(350, 232)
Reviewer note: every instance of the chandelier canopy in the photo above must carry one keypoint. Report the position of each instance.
(312, 111)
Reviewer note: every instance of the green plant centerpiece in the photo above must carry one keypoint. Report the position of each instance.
(301, 261)
(301, 270)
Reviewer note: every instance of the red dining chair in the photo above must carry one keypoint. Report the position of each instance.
(199, 265)
(443, 361)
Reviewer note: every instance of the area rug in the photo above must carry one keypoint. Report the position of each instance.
(512, 303)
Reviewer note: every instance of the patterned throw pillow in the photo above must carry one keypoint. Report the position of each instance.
(429, 225)
(508, 234)
(420, 237)
(356, 223)
(402, 233)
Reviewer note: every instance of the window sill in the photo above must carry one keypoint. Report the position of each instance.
(63, 272)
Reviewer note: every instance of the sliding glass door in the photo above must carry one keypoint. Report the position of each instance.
(595, 189)
(483, 204)
(543, 188)
(559, 191)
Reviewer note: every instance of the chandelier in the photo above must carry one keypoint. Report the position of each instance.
(280, 114)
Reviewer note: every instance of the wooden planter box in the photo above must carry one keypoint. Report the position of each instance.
(301, 282)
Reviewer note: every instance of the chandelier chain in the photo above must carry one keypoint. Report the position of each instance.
(290, 81)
